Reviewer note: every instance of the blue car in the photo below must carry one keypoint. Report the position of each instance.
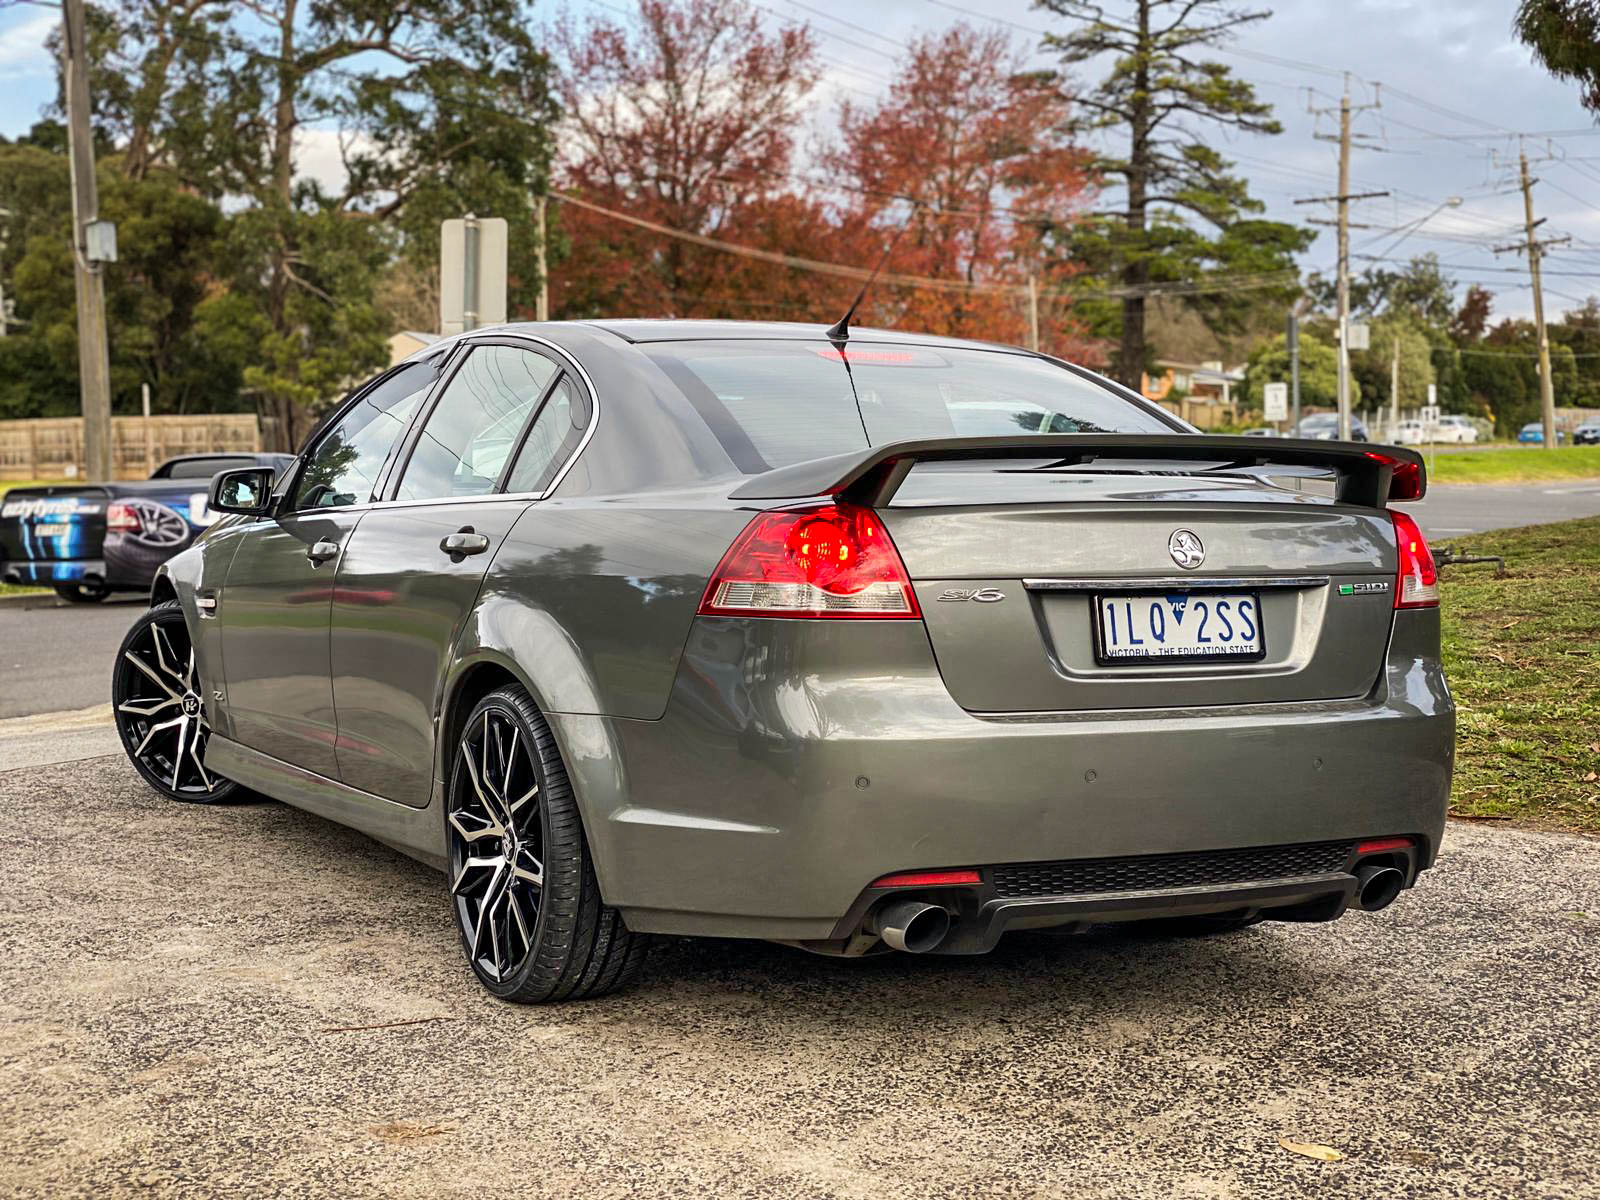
(1533, 434)
(89, 540)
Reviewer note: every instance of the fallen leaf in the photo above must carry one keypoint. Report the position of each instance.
(410, 1131)
(1311, 1150)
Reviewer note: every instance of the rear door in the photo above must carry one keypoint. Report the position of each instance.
(412, 570)
(274, 606)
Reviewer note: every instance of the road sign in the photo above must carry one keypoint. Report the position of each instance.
(1275, 401)
(472, 273)
(1359, 335)
(1430, 414)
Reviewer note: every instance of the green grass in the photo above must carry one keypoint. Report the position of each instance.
(1523, 656)
(5, 486)
(1519, 465)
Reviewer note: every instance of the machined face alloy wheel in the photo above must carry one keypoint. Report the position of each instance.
(496, 845)
(157, 698)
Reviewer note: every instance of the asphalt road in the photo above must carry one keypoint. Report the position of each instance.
(179, 986)
(56, 656)
(1453, 509)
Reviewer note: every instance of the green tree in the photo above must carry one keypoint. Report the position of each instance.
(1157, 91)
(1372, 367)
(1319, 372)
(1564, 36)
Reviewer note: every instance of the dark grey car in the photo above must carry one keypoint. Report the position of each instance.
(738, 630)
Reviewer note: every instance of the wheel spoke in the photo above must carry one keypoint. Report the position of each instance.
(478, 788)
(528, 868)
(196, 744)
(517, 804)
(177, 759)
(143, 707)
(151, 733)
(157, 637)
(150, 671)
(489, 827)
(522, 924)
(474, 864)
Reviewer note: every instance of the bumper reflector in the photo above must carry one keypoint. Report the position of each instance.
(927, 879)
(1383, 845)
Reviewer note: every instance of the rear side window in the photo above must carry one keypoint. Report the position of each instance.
(473, 429)
(554, 436)
(776, 403)
(343, 466)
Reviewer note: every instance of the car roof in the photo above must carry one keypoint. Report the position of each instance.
(643, 329)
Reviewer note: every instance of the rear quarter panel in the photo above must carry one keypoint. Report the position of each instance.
(594, 600)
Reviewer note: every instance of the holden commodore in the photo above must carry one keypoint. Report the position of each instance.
(854, 640)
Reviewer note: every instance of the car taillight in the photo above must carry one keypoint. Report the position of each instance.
(122, 518)
(1405, 480)
(824, 560)
(1418, 582)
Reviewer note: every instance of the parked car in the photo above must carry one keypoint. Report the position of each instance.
(1452, 428)
(1410, 433)
(89, 540)
(1262, 431)
(1325, 427)
(1587, 434)
(743, 639)
(1533, 433)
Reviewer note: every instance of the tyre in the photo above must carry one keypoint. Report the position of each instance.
(82, 593)
(522, 884)
(156, 697)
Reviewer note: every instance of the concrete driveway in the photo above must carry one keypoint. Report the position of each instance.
(180, 984)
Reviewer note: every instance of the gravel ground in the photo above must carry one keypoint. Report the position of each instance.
(176, 982)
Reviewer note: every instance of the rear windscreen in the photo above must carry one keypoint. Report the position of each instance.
(776, 403)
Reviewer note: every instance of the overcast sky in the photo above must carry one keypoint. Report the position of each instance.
(1456, 90)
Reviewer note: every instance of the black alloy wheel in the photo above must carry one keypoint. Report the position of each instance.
(522, 884)
(157, 698)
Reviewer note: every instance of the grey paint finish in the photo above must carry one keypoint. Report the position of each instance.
(793, 714)
(398, 610)
(272, 613)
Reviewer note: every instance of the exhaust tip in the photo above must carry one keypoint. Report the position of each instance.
(913, 927)
(1377, 886)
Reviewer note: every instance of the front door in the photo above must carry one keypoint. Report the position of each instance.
(411, 573)
(273, 608)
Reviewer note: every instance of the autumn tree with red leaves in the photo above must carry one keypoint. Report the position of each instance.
(975, 144)
(687, 118)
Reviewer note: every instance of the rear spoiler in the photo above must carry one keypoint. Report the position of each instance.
(1367, 475)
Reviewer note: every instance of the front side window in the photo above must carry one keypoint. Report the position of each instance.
(343, 467)
(776, 403)
(473, 429)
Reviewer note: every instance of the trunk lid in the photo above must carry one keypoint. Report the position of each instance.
(1011, 566)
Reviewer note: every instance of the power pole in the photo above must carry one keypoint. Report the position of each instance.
(1342, 199)
(1394, 387)
(541, 306)
(1534, 248)
(1291, 342)
(1033, 312)
(94, 364)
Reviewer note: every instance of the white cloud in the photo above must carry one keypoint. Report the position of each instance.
(22, 50)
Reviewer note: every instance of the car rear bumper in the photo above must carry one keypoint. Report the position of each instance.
(48, 571)
(800, 761)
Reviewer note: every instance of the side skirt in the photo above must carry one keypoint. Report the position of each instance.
(417, 832)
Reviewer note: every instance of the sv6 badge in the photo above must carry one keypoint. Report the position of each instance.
(981, 595)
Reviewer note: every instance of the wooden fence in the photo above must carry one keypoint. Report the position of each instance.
(52, 447)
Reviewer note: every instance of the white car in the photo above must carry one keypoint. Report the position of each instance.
(1409, 433)
(1455, 428)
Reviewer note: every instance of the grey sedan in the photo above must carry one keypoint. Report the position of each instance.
(862, 643)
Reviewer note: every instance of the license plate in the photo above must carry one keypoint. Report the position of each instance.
(52, 530)
(1183, 626)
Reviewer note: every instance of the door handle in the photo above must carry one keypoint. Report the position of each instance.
(463, 542)
(320, 552)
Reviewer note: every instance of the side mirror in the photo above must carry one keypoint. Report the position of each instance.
(247, 490)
